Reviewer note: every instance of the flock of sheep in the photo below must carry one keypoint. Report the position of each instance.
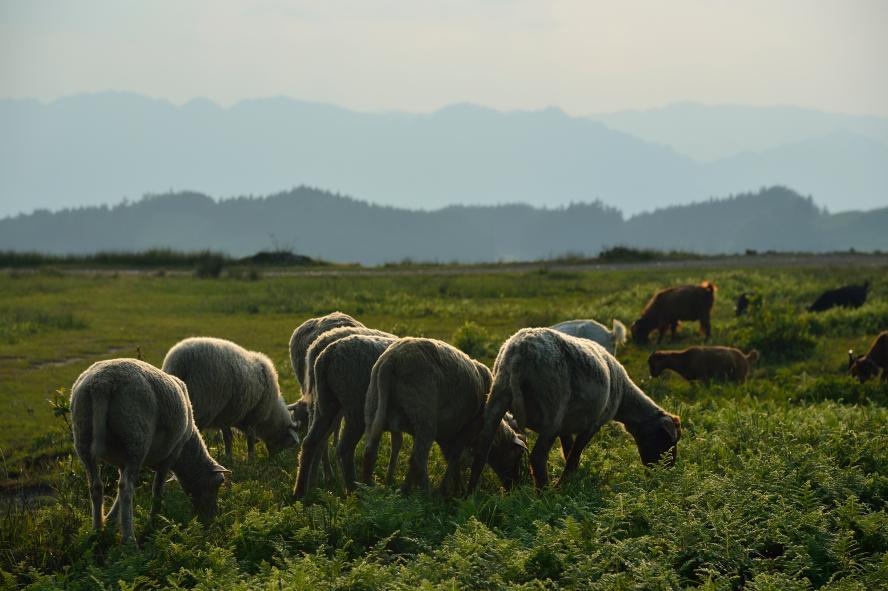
(563, 382)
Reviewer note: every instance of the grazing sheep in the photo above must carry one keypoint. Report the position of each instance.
(704, 363)
(559, 385)
(864, 367)
(232, 387)
(595, 331)
(130, 414)
(848, 296)
(300, 341)
(340, 377)
(668, 306)
(435, 392)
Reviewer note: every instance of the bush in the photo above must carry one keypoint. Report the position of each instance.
(777, 332)
(473, 340)
(210, 267)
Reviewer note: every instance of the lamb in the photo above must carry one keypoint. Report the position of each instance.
(340, 377)
(864, 367)
(848, 296)
(130, 414)
(704, 363)
(595, 331)
(435, 392)
(559, 385)
(668, 306)
(300, 341)
(230, 386)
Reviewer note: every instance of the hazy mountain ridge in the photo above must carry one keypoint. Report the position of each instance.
(715, 132)
(93, 149)
(337, 228)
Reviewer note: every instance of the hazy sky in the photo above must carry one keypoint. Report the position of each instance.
(419, 55)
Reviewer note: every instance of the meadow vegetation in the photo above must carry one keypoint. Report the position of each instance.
(781, 482)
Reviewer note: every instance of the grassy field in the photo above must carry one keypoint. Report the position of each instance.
(781, 483)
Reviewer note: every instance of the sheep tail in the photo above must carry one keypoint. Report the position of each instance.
(380, 384)
(99, 395)
(711, 286)
(752, 356)
(620, 333)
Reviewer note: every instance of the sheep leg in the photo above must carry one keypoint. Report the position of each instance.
(329, 474)
(315, 441)
(452, 454)
(539, 457)
(567, 443)
(125, 491)
(672, 329)
(397, 441)
(115, 504)
(226, 438)
(573, 460)
(345, 449)
(96, 490)
(418, 472)
(157, 490)
(371, 449)
(661, 332)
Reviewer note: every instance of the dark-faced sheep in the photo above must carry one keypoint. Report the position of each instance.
(300, 341)
(669, 306)
(864, 367)
(130, 414)
(704, 363)
(436, 393)
(848, 296)
(559, 385)
(230, 386)
(340, 377)
(595, 331)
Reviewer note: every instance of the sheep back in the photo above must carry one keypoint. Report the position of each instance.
(307, 332)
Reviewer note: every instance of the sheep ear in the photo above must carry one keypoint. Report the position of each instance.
(292, 406)
(850, 358)
(222, 470)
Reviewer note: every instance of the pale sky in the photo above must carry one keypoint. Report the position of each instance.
(418, 55)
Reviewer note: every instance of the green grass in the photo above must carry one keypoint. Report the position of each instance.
(781, 482)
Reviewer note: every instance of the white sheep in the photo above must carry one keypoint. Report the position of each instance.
(596, 332)
(130, 414)
(230, 386)
(340, 377)
(436, 393)
(559, 385)
(301, 339)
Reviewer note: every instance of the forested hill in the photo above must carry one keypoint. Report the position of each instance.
(342, 229)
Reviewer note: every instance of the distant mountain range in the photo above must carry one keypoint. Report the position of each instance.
(336, 228)
(99, 148)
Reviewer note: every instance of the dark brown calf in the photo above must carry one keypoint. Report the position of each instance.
(864, 367)
(669, 306)
(704, 363)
